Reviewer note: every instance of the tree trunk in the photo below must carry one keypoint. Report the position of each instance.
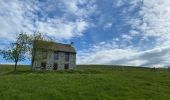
(33, 58)
(15, 68)
(33, 54)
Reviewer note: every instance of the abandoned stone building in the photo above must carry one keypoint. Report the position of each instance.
(53, 56)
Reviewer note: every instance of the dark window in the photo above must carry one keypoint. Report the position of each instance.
(56, 56)
(55, 66)
(66, 66)
(66, 56)
(43, 65)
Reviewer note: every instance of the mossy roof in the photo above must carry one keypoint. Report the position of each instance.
(53, 46)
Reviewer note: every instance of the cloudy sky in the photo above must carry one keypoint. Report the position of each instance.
(123, 32)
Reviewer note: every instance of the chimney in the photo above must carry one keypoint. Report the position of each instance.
(72, 43)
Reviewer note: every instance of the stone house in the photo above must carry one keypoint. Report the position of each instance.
(53, 56)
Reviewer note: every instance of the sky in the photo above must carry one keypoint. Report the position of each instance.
(118, 32)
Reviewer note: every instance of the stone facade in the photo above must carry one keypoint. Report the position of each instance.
(55, 59)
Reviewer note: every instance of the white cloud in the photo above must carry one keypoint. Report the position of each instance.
(153, 23)
(59, 28)
(127, 38)
(134, 33)
(157, 57)
(107, 25)
(16, 16)
(118, 3)
(72, 6)
(105, 56)
(9, 18)
(154, 20)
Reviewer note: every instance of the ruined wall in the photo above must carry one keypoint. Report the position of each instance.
(61, 61)
(72, 61)
(39, 58)
(50, 61)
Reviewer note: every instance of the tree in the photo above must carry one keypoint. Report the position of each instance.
(37, 36)
(32, 50)
(23, 48)
(17, 50)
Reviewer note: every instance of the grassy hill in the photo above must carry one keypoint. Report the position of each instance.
(86, 82)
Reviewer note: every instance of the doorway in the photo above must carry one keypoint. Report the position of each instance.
(66, 66)
(55, 66)
(43, 65)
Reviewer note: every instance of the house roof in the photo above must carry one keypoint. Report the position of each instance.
(48, 45)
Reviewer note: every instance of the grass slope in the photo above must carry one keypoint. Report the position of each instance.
(86, 82)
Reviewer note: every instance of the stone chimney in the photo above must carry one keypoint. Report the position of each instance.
(72, 43)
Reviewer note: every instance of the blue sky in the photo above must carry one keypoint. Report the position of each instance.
(124, 32)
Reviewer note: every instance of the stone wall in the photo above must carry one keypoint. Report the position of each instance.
(50, 61)
(72, 61)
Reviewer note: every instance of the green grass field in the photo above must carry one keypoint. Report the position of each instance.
(86, 82)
